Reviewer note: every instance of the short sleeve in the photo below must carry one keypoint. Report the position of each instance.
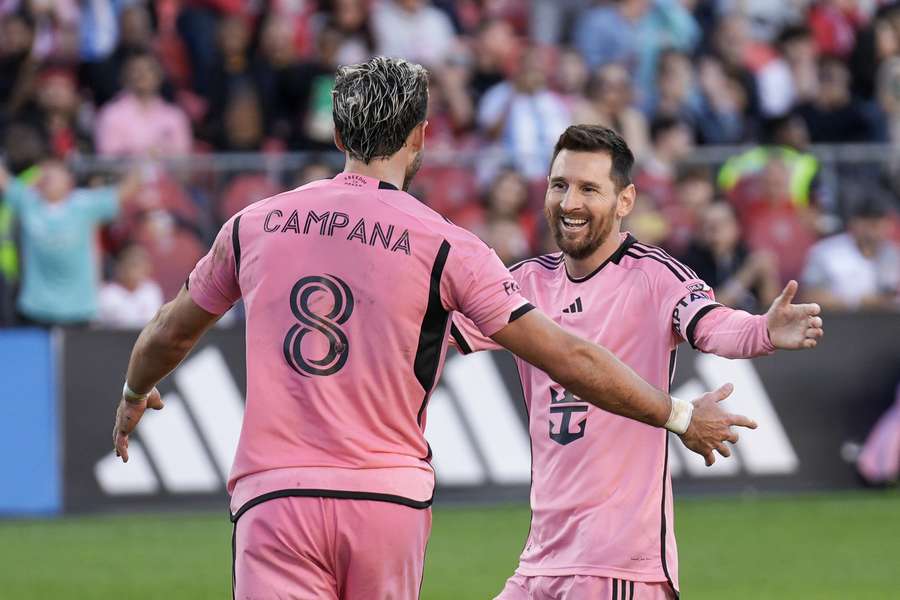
(481, 288)
(684, 302)
(466, 337)
(102, 204)
(213, 284)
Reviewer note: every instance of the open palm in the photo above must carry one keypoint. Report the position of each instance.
(793, 326)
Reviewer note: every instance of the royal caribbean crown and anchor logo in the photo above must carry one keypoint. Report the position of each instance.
(327, 325)
(563, 403)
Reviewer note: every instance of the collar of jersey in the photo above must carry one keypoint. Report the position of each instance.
(357, 181)
(615, 257)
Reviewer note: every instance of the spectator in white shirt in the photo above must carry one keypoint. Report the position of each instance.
(524, 117)
(858, 269)
(412, 29)
(131, 300)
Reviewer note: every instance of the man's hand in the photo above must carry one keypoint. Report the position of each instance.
(710, 426)
(793, 326)
(127, 416)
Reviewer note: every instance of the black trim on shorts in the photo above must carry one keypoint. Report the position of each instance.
(236, 246)
(433, 330)
(615, 257)
(233, 559)
(662, 529)
(460, 339)
(520, 312)
(689, 332)
(337, 494)
(615, 589)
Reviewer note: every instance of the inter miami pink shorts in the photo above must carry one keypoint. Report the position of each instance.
(520, 587)
(298, 548)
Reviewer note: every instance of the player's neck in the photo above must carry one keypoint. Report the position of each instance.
(391, 170)
(582, 267)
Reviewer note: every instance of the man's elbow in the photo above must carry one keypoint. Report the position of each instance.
(168, 334)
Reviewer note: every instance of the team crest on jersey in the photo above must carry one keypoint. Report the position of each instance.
(564, 404)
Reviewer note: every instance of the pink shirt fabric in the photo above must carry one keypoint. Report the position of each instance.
(601, 494)
(348, 286)
(127, 126)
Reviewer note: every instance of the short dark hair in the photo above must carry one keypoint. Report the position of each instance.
(596, 138)
(663, 124)
(376, 104)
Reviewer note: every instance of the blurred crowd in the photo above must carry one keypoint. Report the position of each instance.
(148, 86)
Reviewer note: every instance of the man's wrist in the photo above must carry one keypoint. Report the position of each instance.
(132, 396)
(679, 416)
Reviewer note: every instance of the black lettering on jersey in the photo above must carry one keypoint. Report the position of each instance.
(327, 325)
(383, 238)
(698, 296)
(567, 405)
(338, 220)
(510, 287)
(274, 213)
(358, 232)
(402, 243)
(293, 223)
(676, 319)
(313, 217)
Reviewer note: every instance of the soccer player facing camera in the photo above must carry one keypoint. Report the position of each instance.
(601, 494)
(349, 285)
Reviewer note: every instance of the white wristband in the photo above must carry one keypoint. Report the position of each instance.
(130, 394)
(680, 417)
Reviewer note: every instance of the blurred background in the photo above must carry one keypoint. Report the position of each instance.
(767, 138)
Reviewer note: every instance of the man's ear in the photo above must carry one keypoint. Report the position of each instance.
(416, 139)
(339, 142)
(625, 201)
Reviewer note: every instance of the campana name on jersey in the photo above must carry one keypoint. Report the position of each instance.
(336, 223)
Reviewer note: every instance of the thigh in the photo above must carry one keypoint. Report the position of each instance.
(518, 587)
(380, 549)
(282, 549)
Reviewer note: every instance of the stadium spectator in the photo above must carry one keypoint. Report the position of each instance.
(799, 51)
(671, 140)
(139, 122)
(101, 72)
(173, 248)
(17, 63)
(875, 43)
(58, 227)
(857, 269)
(242, 128)
(694, 193)
(739, 277)
(401, 28)
(675, 94)
(350, 18)
(610, 103)
(730, 42)
(524, 116)
(232, 71)
(888, 93)
(634, 32)
(54, 110)
(495, 48)
(131, 299)
(834, 116)
(723, 106)
(834, 24)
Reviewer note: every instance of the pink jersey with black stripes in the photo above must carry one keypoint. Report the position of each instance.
(348, 286)
(601, 495)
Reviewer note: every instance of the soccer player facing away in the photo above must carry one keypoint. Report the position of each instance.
(349, 284)
(601, 495)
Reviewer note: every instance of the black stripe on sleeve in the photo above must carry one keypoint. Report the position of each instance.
(434, 327)
(659, 260)
(668, 257)
(689, 332)
(520, 312)
(460, 339)
(615, 590)
(236, 246)
(630, 590)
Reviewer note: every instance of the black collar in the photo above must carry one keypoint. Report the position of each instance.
(384, 185)
(615, 257)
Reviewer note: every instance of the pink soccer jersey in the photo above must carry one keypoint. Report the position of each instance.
(348, 286)
(601, 495)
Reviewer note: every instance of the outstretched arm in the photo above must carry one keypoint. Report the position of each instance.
(737, 334)
(595, 375)
(161, 347)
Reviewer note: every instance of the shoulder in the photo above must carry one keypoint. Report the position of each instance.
(544, 267)
(657, 264)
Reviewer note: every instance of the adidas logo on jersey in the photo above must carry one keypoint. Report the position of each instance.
(575, 307)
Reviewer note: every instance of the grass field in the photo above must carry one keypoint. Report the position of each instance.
(816, 547)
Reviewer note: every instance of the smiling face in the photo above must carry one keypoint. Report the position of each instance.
(583, 205)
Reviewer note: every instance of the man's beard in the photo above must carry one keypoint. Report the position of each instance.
(586, 244)
(411, 171)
